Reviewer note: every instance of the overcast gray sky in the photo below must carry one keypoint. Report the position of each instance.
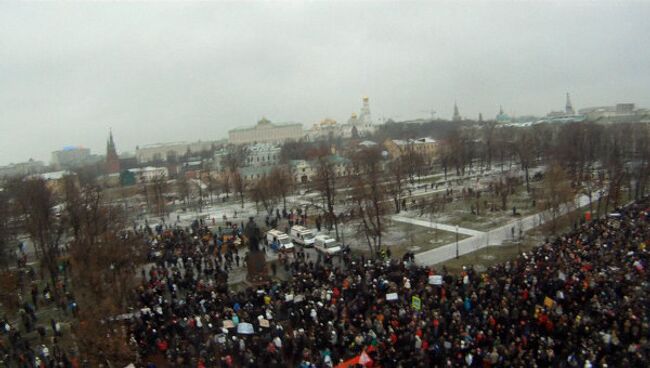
(158, 72)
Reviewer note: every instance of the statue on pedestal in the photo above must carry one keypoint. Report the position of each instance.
(256, 263)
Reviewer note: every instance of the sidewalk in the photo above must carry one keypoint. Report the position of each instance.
(437, 225)
(493, 237)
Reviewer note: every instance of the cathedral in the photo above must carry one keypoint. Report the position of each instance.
(362, 122)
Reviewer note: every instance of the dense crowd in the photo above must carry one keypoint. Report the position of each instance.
(578, 301)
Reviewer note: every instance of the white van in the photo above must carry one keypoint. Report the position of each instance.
(279, 241)
(302, 236)
(327, 245)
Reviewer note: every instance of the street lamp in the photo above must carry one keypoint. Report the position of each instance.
(456, 241)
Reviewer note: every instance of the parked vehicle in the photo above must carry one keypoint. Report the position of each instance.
(327, 245)
(279, 241)
(302, 235)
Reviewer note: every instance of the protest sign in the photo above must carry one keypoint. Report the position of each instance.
(435, 280)
(245, 328)
(416, 302)
(548, 302)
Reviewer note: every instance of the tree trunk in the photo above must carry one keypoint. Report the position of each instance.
(527, 180)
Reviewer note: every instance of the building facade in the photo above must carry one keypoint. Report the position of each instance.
(304, 171)
(265, 132)
(71, 157)
(22, 169)
(263, 154)
(254, 173)
(426, 146)
(149, 173)
(170, 152)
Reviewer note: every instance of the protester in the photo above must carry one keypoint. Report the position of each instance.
(579, 301)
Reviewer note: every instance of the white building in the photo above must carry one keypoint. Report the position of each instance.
(147, 174)
(22, 168)
(160, 152)
(72, 156)
(265, 132)
(263, 154)
(304, 171)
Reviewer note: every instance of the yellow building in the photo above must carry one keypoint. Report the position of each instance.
(265, 132)
(425, 146)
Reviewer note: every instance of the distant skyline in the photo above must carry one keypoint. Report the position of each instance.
(159, 72)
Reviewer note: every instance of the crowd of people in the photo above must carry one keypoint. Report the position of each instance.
(578, 301)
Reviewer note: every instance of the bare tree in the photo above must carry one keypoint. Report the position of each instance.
(281, 183)
(239, 185)
(35, 202)
(524, 148)
(159, 191)
(71, 200)
(6, 236)
(235, 158)
(226, 183)
(368, 196)
(641, 161)
(183, 188)
(325, 183)
(488, 138)
(212, 186)
(112, 255)
(196, 189)
(266, 191)
(396, 185)
(413, 162)
(445, 157)
(555, 192)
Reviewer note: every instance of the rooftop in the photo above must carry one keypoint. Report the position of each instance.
(265, 124)
(53, 175)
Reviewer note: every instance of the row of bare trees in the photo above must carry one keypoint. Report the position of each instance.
(271, 188)
(578, 158)
(79, 239)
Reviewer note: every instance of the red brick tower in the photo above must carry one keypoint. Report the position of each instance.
(112, 160)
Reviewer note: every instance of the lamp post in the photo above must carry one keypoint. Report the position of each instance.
(456, 241)
(521, 235)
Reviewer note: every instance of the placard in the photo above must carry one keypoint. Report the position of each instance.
(435, 280)
(391, 296)
(264, 323)
(228, 323)
(548, 302)
(245, 328)
(416, 302)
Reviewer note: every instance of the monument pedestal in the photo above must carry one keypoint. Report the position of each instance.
(256, 265)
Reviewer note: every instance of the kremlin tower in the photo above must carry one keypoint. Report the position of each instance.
(112, 160)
